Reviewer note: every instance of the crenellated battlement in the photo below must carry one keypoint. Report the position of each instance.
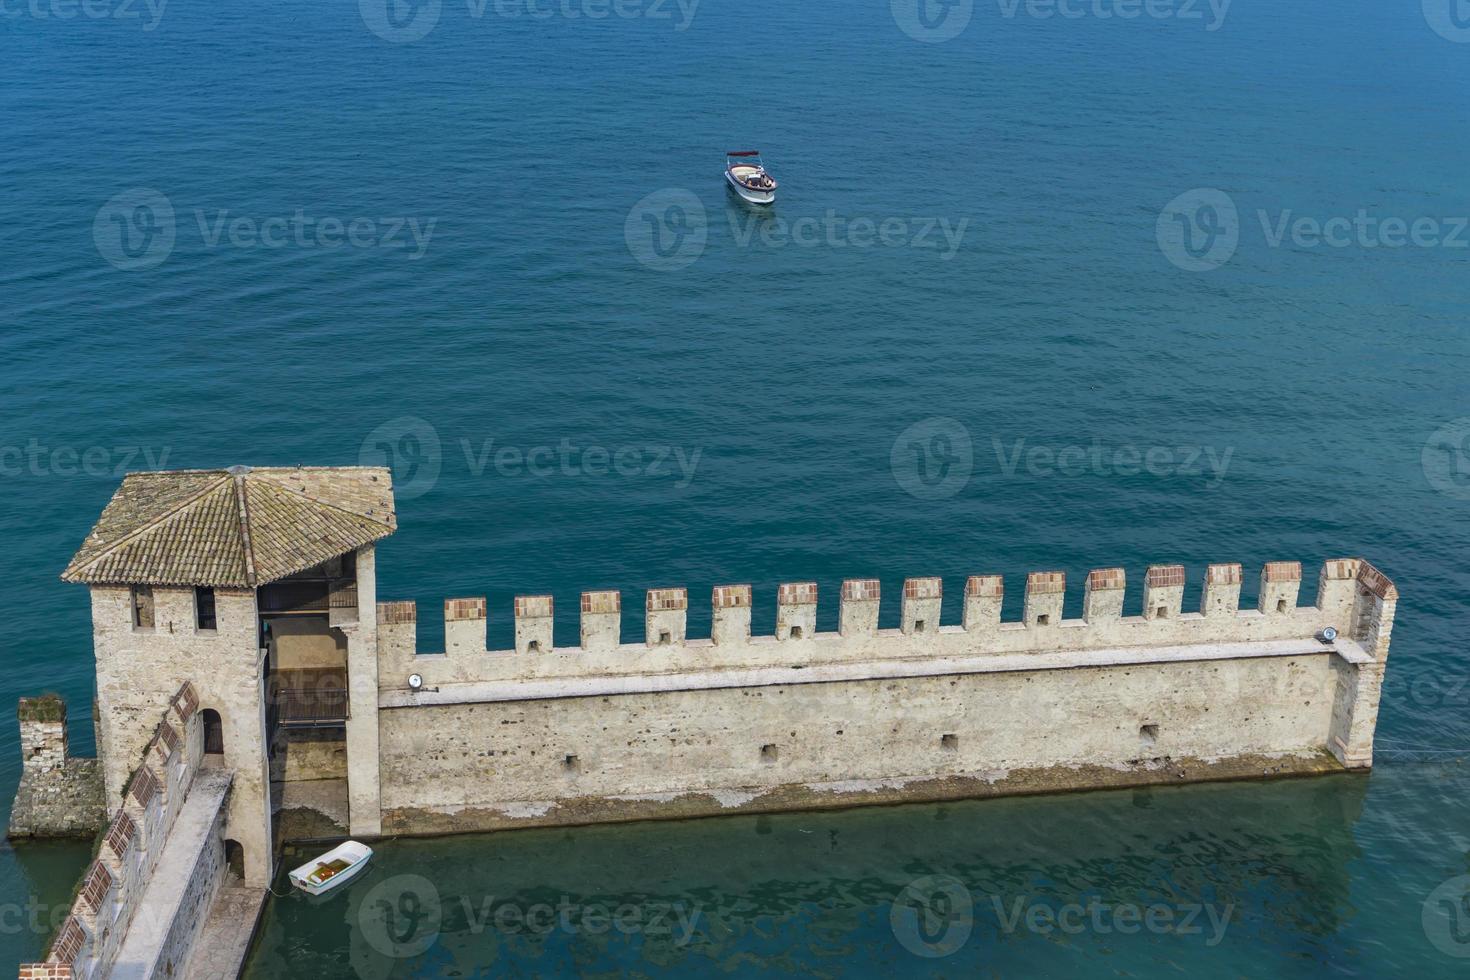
(1352, 596)
(662, 723)
(1101, 699)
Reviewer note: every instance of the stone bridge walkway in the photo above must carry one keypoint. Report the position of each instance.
(164, 894)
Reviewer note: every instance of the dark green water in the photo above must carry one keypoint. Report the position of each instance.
(1218, 881)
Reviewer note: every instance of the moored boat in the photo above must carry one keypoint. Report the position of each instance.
(746, 175)
(336, 867)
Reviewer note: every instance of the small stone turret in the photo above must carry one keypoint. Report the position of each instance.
(59, 795)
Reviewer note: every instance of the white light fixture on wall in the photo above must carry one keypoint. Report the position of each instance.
(415, 683)
(1328, 634)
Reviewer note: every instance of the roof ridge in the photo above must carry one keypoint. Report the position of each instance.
(326, 503)
(153, 523)
(242, 504)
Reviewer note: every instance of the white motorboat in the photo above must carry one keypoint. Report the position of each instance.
(338, 866)
(747, 176)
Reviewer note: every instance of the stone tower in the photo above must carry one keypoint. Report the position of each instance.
(188, 571)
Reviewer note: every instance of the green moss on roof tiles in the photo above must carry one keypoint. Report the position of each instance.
(238, 528)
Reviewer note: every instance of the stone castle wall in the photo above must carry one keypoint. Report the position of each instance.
(110, 898)
(138, 670)
(677, 726)
(60, 795)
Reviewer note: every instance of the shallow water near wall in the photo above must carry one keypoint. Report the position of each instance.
(1222, 880)
(786, 409)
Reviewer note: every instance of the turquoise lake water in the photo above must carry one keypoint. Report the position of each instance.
(1044, 294)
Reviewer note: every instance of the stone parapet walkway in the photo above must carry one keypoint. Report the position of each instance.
(162, 900)
(220, 950)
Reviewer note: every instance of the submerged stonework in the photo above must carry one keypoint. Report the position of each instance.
(256, 591)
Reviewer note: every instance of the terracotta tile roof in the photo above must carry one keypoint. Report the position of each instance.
(237, 528)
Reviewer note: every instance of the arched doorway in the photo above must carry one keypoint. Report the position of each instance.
(235, 858)
(214, 733)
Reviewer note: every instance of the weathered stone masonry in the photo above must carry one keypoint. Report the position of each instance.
(255, 593)
(676, 726)
(60, 794)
